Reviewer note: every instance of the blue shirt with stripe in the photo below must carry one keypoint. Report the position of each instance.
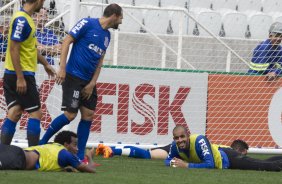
(265, 52)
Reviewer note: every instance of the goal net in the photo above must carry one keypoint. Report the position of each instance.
(168, 66)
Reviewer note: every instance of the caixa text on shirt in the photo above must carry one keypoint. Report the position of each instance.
(97, 49)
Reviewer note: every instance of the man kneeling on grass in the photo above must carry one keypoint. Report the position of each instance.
(49, 157)
(195, 151)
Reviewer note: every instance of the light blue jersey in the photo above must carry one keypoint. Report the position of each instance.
(91, 43)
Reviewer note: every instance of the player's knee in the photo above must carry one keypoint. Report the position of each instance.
(14, 114)
(70, 115)
(87, 116)
(36, 114)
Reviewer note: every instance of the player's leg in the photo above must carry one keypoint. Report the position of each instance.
(274, 158)
(130, 151)
(30, 102)
(14, 109)
(160, 152)
(239, 161)
(10, 123)
(87, 113)
(70, 104)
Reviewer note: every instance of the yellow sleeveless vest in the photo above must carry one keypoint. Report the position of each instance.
(28, 50)
(48, 156)
(193, 154)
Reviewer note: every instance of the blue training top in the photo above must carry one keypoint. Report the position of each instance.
(66, 158)
(265, 53)
(91, 43)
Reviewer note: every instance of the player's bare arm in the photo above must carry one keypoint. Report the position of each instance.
(90, 167)
(88, 89)
(61, 74)
(15, 55)
(48, 68)
(50, 50)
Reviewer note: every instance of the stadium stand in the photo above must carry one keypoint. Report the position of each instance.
(259, 25)
(249, 5)
(201, 9)
(179, 3)
(175, 18)
(224, 4)
(272, 6)
(128, 2)
(146, 2)
(234, 24)
(277, 16)
(129, 25)
(153, 16)
(210, 19)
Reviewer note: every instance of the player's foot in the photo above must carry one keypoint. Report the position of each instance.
(100, 149)
(108, 152)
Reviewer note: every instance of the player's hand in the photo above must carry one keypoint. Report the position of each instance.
(87, 91)
(180, 163)
(21, 86)
(61, 75)
(271, 76)
(50, 71)
(90, 153)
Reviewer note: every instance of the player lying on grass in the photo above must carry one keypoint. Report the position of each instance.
(49, 157)
(243, 148)
(153, 153)
(195, 151)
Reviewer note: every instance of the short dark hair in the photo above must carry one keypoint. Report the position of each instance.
(112, 9)
(181, 127)
(239, 145)
(64, 137)
(29, 1)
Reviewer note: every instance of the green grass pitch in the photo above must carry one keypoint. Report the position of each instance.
(125, 170)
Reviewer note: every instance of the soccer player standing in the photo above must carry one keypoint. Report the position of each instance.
(90, 38)
(19, 82)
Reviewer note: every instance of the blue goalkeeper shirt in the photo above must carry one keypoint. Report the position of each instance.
(201, 154)
(91, 43)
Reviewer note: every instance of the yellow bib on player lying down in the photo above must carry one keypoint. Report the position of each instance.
(48, 156)
(194, 157)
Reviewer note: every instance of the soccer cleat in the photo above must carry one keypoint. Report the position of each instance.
(108, 152)
(100, 149)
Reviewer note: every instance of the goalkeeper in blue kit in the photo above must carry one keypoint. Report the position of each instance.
(195, 151)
